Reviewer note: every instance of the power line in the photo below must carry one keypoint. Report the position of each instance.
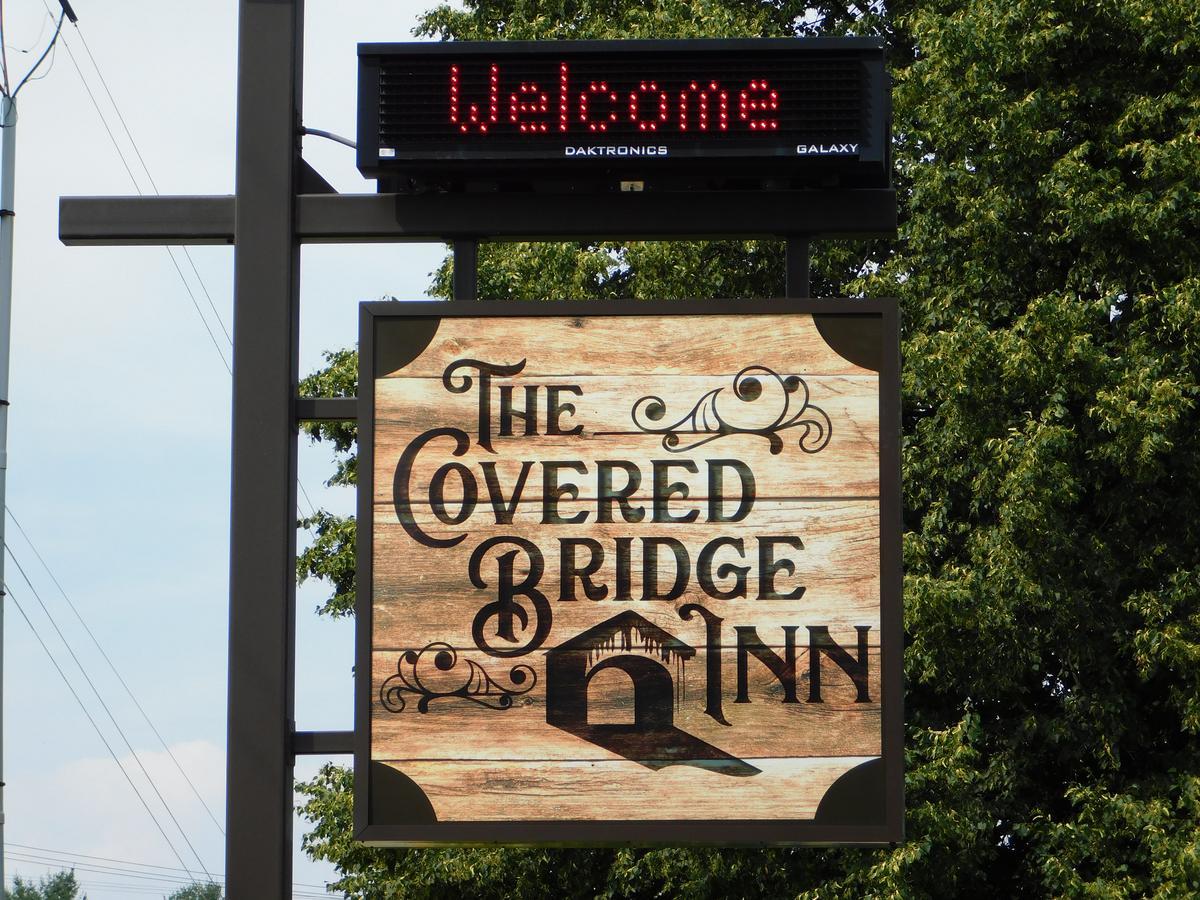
(224, 361)
(135, 881)
(154, 186)
(113, 667)
(36, 41)
(138, 877)
(96, 728)
(146, 169)
(34, 67)
(88, 678)
(49, 68)
(5, 85)
(43, 860)
(117, 872)
(137, 187)
(4, 48)
(312, 509)
(51, 48)
(68, 854)
(61, 857)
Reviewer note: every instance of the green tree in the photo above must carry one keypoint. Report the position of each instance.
(199, 891)
(1048, 271)
(59, 886)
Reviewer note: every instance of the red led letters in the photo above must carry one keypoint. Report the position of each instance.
(698, 106)
(701, 121)
(520, 107)
(758, 98)
(600, 88)
(474, 116)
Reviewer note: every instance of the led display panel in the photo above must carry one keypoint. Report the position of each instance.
(807, 108)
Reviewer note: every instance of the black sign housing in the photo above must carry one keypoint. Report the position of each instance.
(762, 113)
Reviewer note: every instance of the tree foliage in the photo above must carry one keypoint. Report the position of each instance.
(57, 886)
(1048, 273)
(199, 891)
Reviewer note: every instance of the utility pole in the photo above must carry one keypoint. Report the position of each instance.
(8, 147)
(8, 172)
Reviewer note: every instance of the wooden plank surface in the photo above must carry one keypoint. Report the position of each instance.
(420, 590)
(602, 345)
(847, 466)
(764, 726)
(622, 789)
(584, 721)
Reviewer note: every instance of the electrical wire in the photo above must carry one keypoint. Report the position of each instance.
(5, 85)
(137, 187)
(49, 68)
(312, 509)
(50, 861)
(95, 727)
(36, 41)
(137, 880)
(79, 860)
(60, 857)
(113, 667)
(66, 856)
(329, 135)
(95, 690)
(146, 169)
(154, 186)
(4, 48)
(49, 47)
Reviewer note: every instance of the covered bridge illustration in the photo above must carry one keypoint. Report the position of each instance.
(628, 642)
(647, 654)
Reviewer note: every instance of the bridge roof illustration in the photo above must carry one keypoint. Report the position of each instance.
(627, 631)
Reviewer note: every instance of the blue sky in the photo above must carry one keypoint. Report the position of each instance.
(119, 428)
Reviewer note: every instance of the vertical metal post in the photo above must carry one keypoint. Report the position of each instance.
(796, 267)
(466, 269)
(8, 167)
(258, 846)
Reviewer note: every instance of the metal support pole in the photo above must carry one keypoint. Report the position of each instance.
(796, 266)
(8, 147)
(466, 269)
(258, 846)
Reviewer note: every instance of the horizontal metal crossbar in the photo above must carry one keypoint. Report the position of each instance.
(364, 218)
(145, 220)
(322, 743)
(326, 409)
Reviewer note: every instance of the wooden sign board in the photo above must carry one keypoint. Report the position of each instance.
(629, 573)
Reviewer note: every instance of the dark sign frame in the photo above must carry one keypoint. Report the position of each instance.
(863, 808)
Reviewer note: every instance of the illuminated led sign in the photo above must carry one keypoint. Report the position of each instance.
(700, 106)
(812, 109)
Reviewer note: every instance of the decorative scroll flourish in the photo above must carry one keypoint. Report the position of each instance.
(764, 392)
(414, 675)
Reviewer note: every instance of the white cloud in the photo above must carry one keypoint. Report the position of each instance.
(87, 807)
(85, 815)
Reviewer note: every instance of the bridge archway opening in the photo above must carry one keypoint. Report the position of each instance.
(610, 697)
